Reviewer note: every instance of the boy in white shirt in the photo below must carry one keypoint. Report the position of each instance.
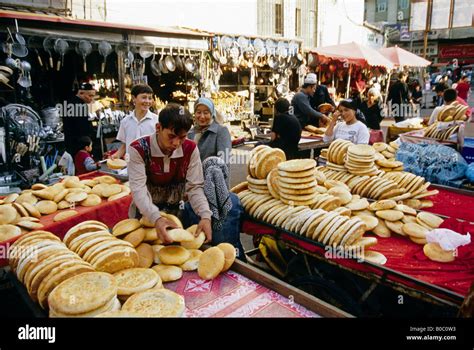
(351, 129)
(140, 122)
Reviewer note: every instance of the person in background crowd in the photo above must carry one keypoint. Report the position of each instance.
(321, 95)
(463, 88)
(450, 96)
(286, 130)
(212, 138)
(439, 91)
(350, 129)
(372, 109)
(83, 160)
(416, 93)
(77, 124)
(358, 89)
(398, 97)
(302, 109)
(140, 122)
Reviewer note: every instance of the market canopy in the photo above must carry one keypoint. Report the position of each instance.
(354, 53)
(401, 57)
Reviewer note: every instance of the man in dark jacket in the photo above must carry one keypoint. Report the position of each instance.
(301, 106)
(286, 130)
(75, 117)
(398, 97)
(321, 95)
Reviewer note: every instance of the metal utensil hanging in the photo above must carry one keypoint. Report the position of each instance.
(161, 63)
(179, 61)
(190, 64)
(169, 61)
(60, 46)
(104, 49)
(19, 38)
(33, 43)
(48, 45)
(155, 68)
(85, 48)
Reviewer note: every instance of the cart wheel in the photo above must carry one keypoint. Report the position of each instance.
(329, 292)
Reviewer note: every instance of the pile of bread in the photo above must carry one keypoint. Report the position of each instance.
(116, 164)
(262, 160)
(390, 182)
(93, 242)
(25, 210)
(170, 261)
(454, 111)
(41, 262)
(100, 294)
(310, 130)
(441, 131)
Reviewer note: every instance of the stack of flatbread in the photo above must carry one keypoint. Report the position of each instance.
(263, 159)
(297, 182)
(442, 131)
(85, 295)
(360, 160)
(93, 242)
(335, 228)
(336, 154)
(41, 261)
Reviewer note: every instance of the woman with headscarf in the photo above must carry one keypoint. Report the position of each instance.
(372, 109)
(215, 147)
(212, 138)
(350, 128)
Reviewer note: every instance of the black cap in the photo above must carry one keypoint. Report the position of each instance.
(86, 86)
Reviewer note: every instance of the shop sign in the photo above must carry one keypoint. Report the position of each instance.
(404, 33)
(456, 51)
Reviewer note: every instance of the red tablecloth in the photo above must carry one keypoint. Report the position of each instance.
(402, 256)
(454, 205)
(233, 295)
(107, 212)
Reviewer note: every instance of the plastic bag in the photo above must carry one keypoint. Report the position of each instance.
(447, 239)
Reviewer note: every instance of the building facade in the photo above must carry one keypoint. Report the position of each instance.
(447, 26)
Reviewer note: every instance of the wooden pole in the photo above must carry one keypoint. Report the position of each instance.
(386, 88)
(349, 81)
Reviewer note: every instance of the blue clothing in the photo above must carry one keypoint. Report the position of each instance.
(230, 231)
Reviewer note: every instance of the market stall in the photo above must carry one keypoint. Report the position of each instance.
(332, 214)
(248, 74)
(345, 61)
(46, 57)
(82, 238)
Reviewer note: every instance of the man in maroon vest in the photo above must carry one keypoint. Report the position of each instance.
(165, 169)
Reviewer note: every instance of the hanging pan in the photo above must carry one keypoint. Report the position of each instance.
(85, 48)
(105, 49)
(169, 61)
(61, 46)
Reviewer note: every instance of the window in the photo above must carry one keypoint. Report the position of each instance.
(463, 14)
(403, 4)
(419, 10)
(279, 19)
(381, 6)
(440, 14)
(298, 22)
